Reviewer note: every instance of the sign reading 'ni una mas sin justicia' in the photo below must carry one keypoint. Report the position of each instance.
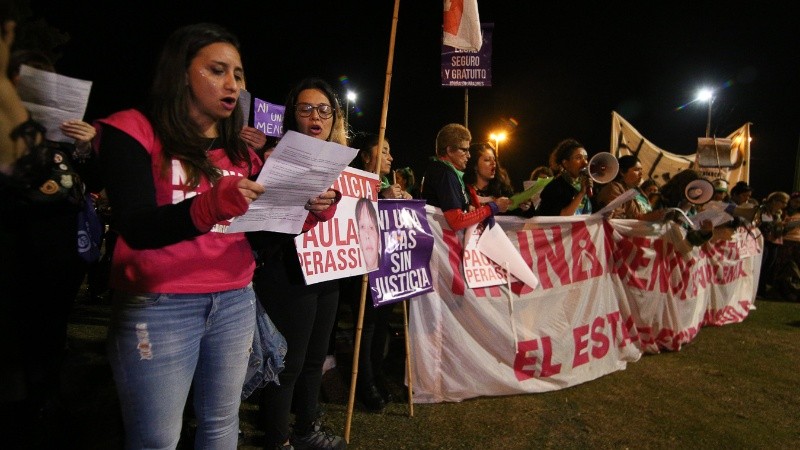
(469, 69)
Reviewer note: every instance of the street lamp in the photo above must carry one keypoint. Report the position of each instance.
(707, 95)
(351, 97)
(498, 138)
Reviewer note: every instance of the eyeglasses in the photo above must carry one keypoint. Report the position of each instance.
(324, 110)
(463, 149)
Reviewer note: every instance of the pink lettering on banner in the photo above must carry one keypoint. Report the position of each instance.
(596, 334)
(633, 267)
(585, 264)
(646, 338)
(479, 269)
(454, 251)
(353, 185)
(328, 234)
(614, 321)
(551, 253)
(554, 255)
(653, 265)
(728, 314)
(628, 331)
(526, 361)
(488, 292)
(321, 261)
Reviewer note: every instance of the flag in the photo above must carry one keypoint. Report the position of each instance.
(462, 26)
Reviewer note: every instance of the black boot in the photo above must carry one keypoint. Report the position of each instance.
(369, 396)
(383, 388)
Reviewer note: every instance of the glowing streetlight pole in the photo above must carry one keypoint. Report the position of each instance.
(707, 95)
(498, 138)
(351, 97)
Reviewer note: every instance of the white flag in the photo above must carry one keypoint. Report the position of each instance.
(462, 26)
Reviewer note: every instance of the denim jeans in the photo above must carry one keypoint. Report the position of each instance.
(160, 344)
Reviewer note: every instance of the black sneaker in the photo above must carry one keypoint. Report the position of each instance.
(318, 438)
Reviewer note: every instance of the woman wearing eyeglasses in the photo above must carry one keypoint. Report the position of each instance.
(443, 183)
(304, 314)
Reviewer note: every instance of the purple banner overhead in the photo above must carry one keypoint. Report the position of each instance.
(268, 117)
(469, 69)
(406, 247)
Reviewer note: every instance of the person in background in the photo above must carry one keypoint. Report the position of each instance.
(652, 191)
(672, 198)
(444, 186)
(82, 132)
(649, 186)
(486, 180)
(372, 387)
(536, 174)
(25, 262)
(787, 262)
(253, 137)
(720, 190)
(408, 183)
(771, 222)
(629, 177)
(42, 198)
(79, 154)
(183, 310)
(741, 194)
(567, 194)
(540, 172)
(304, 314)
(367, 159)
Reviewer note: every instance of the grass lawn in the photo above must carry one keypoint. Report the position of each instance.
(736, 386)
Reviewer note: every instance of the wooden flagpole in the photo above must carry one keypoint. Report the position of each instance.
(365, 278)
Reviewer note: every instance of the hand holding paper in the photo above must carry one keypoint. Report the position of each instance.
(535, 188)
(300, 168)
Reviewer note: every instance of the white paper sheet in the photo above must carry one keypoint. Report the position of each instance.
(301, 167)
(53, 99)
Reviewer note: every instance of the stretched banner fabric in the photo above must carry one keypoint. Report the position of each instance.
(609, 291)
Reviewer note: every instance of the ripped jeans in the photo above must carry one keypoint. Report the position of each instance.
(159, 344)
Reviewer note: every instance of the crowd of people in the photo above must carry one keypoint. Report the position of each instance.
(177, 169)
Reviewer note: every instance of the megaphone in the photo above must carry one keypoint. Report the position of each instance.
(699, 191)
(603, 167)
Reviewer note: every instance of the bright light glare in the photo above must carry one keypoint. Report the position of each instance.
(498, 137)
(351, 96)
(705, 95)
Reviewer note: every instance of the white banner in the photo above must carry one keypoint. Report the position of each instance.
(609, 291)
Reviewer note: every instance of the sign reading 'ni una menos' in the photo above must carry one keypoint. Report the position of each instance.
(469, 69)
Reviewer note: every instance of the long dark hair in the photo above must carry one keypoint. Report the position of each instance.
(338, 131)
(169, 105)
(500, 185)
(363, 142)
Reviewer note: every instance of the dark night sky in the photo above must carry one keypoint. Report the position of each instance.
(558, 70)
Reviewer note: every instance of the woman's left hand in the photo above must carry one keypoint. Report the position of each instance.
(254, 138)
(82, 132)
(321, 202)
